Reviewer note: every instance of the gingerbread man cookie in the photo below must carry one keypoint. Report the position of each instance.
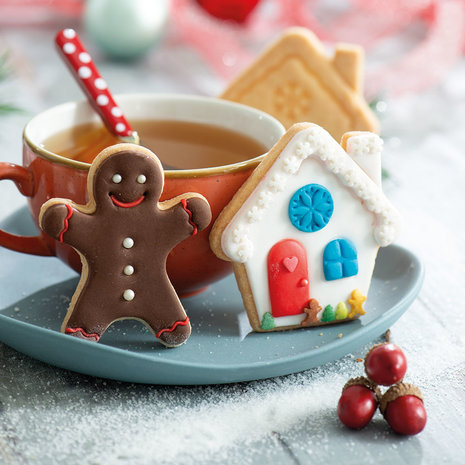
(124, 235)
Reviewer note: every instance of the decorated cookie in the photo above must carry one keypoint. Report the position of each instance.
(304, 230)
(124, 235)
(295, 80)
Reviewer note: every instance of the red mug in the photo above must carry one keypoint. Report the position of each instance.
(191, 265)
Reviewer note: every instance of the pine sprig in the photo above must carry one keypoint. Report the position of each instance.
(5, 73)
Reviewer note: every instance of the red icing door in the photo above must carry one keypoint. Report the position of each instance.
(288, 281)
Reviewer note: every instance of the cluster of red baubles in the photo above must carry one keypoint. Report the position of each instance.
(401, 405)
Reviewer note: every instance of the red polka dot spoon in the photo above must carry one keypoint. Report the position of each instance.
(87, 75)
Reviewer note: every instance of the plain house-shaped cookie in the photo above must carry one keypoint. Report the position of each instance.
(304, 230)
(295, 80)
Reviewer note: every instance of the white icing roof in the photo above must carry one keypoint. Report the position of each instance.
(313, 141)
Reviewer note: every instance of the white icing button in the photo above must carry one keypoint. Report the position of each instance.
(128, 294)
(102, 100)
(141, 179)
(116, 111)
(69, 33)
(100, 83)
(84, 72)
(117, 178)
(84, 57)
(128, 242)
(128, 270)
(69, 48)
(120, 127)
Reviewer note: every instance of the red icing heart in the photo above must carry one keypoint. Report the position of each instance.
(235, 10)
(290, 263)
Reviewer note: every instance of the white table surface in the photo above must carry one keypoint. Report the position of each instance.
(48, 415)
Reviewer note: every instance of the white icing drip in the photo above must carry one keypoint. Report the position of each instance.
(240, 247)
(303, 149)
(277, 183)
(291, 164)
(319, 144)
(265, 198)
(254, 214)
(364, 144)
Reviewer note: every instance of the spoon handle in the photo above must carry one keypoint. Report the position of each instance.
(94, 86)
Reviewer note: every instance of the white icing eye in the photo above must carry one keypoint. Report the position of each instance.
(117, 178)
(141, 179)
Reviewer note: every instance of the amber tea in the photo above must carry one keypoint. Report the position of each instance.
(178, 144)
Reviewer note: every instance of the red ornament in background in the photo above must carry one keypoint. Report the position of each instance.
(234, 10)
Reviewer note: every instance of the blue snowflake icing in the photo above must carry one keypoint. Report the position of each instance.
(311, 208)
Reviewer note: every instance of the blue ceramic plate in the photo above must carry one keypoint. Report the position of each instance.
(35, 292)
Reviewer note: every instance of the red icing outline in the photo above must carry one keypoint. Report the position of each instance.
(118, 203)
(175, 325)
(84, 333)
(184, 205)
(65, 222)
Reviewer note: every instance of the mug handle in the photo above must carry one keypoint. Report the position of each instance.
(24, 181)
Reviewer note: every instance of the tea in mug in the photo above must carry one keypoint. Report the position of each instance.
(178, 144)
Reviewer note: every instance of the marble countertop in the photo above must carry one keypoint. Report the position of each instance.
(50, 415)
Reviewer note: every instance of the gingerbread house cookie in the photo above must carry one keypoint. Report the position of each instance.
(304, 230)
(295, 80)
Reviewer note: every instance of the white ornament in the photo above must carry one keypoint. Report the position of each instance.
(126, 28)
(117, 178)
(141, 179)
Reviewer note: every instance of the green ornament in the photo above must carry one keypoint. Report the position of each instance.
(341, 311)
(126, 29)
(268, 322)
(328, 314)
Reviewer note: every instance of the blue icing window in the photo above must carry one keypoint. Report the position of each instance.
(340, 260)
(311, 208)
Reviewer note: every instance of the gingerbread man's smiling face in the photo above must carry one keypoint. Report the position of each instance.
(127, 179)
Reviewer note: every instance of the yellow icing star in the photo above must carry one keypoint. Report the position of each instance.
(356, 303)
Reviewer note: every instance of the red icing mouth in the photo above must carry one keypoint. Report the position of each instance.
(118, 203)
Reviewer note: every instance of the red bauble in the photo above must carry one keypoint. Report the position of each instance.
(357, 406)
(235, 10)
(385, 364)
(406, 415)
